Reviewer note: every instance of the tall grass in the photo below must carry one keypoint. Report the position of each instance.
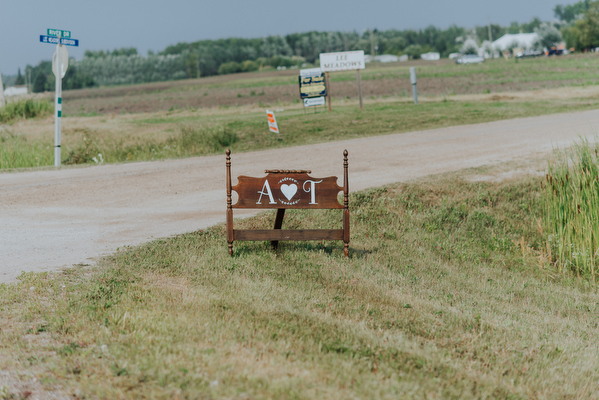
(16, 151)
(24, 109)
(86, 146)
(572, 208)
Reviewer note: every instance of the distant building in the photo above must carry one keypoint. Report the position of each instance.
(515, 40)
(15, 90)
(384, 58)
(404, 58)
(430, 56)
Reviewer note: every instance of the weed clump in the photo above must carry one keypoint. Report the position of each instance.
(25, 109)
(571, 203)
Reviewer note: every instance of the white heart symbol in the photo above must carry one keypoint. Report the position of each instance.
(289, 190)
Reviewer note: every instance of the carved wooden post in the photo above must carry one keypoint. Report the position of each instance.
(229, 204)
(345, 205)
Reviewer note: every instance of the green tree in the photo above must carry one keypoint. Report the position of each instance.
(249, 65)
(39, 84)
(513, 28)
(584, 34)
(530, 26)
(230, 67)
(569, 13)
(548, 36)
(413, 50)
(20, 80)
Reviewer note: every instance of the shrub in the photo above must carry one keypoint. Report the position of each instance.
(24, 109)
(413, 51)
(229, 68)
(249, 65)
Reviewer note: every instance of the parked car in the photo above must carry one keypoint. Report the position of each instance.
(469, 59)
(529, 53)
(554, 52)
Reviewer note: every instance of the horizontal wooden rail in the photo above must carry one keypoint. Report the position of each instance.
(288, 234)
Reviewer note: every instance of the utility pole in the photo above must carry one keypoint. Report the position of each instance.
(2, 102)
(372, 44)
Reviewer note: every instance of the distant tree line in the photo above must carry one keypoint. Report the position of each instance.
(225, 56)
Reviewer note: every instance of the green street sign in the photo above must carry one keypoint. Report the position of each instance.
(59, 33)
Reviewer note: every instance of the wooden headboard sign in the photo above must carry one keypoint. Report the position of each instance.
(283, 189)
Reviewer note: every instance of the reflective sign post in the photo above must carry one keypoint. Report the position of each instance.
(60, 62)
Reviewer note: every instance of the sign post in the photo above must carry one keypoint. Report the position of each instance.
(328, 83)
(344, 61)
(359, 89)
(413, 81)
(60, 63)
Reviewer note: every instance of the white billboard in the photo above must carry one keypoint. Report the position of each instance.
(344, 61)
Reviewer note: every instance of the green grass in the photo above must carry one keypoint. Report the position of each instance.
(18, 152)
(443, 296)
(572, 209)
(186, 134)
(25, 109)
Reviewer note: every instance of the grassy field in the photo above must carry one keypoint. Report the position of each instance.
(166, 122)
(446, 294)
(199, 117)
(165, 135)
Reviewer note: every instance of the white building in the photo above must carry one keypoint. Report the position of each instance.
(430, 56)
(515, 40)
(384, 58)
(15, 91)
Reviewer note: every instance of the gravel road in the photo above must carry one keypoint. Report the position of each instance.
(53, 219)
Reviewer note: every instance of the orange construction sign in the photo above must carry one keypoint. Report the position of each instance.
(272, 122)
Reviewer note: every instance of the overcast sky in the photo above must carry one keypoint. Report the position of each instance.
(153, 25)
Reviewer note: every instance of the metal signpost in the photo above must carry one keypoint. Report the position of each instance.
(344, 61)
(413, 81)
(60, 63)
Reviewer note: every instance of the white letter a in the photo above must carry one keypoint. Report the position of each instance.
(268, 192)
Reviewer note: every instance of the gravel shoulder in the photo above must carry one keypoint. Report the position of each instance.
(54, 219)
